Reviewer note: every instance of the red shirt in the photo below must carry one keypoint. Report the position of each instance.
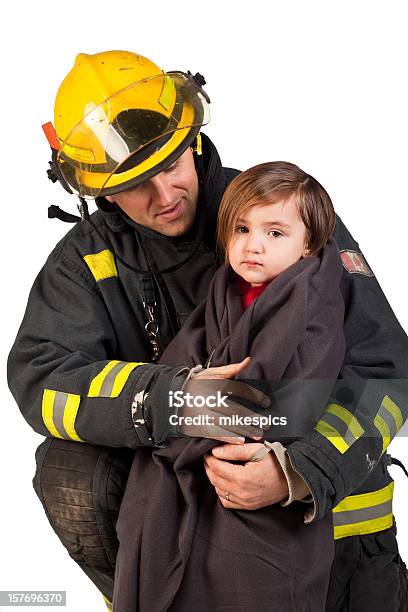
(248, 293)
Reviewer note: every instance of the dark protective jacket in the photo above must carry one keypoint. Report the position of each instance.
(294, 332)
(74, 368)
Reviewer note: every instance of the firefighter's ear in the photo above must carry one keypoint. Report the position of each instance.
(110, 199)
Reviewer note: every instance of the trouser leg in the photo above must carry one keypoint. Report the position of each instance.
(81, 487)
(366, 574)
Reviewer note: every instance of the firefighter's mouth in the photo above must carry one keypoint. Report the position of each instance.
(173, 212)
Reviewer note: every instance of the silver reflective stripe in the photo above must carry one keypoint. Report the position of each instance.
(58, 413)
(365, 514)
(389, 419)
(341, 427)
(107, 385)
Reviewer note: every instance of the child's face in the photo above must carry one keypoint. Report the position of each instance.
(267, 239)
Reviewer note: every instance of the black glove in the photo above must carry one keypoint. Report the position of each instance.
(172, 403)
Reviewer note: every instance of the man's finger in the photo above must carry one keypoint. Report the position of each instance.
(235, 368)
(213, 432)
(222, 372)
(244, 452)
(219, 481)
(226, 500)
(236, 389)
(222, 494)
(224, 469)
(241, 389)
(229, 504)
(230, 440)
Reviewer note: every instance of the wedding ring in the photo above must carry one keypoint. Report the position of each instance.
(227, 495)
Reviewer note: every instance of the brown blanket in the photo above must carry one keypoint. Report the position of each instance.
(179, 548)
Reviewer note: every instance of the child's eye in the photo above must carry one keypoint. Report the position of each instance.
(241, 229)
(275, 233)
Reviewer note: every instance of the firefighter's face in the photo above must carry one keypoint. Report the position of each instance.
(167, 202)
(267, 239)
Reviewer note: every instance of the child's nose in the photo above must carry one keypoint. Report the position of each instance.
(253, 244)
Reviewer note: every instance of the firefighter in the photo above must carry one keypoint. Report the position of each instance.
(119, 285)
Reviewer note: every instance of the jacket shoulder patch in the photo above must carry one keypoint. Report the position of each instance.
(102, 265)
(354, 262)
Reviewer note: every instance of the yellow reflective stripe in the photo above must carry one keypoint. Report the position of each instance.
(388, 420)
(47, 412)
(365, 504)
(347, 417)
(111, 380)
(70, 414)
(394, 410)
(102, 265)
(59, 411)
(365, 500)
(98, 381)
(122, 377)
(199, 145)
(340, 427)
(384, 430)
(168, 93)
(364, 527)
(332, 435)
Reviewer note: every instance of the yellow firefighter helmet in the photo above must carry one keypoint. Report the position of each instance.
(119, 120)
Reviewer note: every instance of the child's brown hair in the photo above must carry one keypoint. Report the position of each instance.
(269, 183)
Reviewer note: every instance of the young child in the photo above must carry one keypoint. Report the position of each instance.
(274, 228)
(276, 299)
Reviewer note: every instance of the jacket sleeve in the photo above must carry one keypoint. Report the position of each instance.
(370, 401)
(63, 368)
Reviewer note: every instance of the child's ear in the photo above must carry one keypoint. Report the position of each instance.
(306, 252)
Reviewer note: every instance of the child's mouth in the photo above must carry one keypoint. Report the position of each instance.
(252, 263)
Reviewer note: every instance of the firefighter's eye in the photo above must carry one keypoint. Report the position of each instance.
(170, 168)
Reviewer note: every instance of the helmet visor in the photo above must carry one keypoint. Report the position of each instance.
(120, 137)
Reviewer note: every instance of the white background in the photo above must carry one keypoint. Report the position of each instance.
(318, 83)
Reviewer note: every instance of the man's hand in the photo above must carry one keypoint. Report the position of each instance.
(221, 372)
(217, 381)
(250, 486)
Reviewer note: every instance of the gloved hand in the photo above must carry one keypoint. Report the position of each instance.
(194, 407)
(210, 396)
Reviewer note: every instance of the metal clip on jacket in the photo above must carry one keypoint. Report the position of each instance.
(152, 330)
(151, 327)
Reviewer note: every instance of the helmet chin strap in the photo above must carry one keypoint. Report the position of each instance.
(55, 212)
(83, 209)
